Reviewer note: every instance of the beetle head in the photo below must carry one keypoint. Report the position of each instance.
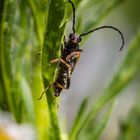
(75, 38)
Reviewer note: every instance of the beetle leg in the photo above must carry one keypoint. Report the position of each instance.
(44, 92)
(58, 88)
(58, 85)
(77, 53)
(62, 61)
(61, 86)
(54, 84)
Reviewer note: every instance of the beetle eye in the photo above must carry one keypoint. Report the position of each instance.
(71, 35)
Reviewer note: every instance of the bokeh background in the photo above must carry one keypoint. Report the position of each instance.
(99, 62)
(30, 35)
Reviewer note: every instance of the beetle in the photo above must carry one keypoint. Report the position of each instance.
(70, 54)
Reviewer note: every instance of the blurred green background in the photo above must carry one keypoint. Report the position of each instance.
(103, 100)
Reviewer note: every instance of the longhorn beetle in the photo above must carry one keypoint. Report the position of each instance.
(70, 54)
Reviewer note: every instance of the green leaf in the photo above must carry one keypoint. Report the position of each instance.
(80, 115)
(127, 72)
(6, 24)
(28, 101)
(38, 20)
(129, 128)
(98, 10)
(50, 50)
(2, 81)
(100, 126)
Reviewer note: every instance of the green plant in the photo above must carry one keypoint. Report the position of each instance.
(28, 27)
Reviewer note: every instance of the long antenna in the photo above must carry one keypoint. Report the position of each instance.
(73, 27)
(84, 34)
